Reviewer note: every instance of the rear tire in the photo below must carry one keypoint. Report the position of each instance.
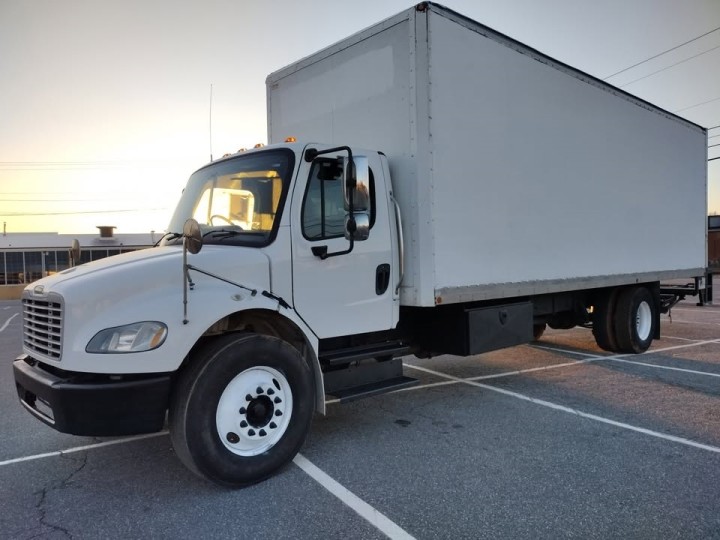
(604, 321)
(242, 409)
(635, 320)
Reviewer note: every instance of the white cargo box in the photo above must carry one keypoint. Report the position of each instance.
(516, 174)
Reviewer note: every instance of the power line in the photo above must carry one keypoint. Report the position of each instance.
(81, 165)
(668, 67)
(660, 54)
(115, 199)
(124, 211)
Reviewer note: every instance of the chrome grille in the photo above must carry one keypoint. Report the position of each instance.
(42, 326)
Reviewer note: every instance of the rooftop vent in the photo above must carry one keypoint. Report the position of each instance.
(106, 231)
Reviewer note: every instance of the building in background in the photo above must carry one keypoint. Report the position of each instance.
(714, 244)
(27, 257)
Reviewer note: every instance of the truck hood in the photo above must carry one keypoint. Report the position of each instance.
(129, 274)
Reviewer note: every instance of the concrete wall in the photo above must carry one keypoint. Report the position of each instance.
(11, 292)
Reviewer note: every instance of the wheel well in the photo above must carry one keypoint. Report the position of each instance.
(269, 323)
(260, 321)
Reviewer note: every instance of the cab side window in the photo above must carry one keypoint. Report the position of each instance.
(323, 210)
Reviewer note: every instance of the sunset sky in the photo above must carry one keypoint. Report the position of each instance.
(104, 106)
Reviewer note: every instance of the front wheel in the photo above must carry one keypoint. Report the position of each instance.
(242, 409)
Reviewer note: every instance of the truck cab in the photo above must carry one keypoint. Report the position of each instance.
(299, 246)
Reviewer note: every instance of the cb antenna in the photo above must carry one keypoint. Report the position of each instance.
(211, 89)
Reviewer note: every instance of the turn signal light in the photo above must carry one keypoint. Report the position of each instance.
(290, 139)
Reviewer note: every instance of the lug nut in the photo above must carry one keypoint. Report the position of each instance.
(270, 391)
(278, 413)
(273, 425)
(242, 410)
(251, 432)
(262, 433)
(258, 390)
(277, 400)
(248, 397)
(243, 424)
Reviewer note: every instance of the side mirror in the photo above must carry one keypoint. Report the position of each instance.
(356, 180)
(357, 227)
(192, 238)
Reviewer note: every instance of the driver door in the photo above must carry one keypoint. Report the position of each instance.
(349, 293)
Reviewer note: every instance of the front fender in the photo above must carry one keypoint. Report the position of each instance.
(210, 301)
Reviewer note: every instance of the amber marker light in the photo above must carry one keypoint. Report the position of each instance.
(290, 139)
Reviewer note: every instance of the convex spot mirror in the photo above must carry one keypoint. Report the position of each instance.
(192, 236)
(357, 182)
(357, 227)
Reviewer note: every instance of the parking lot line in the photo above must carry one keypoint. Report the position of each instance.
(7, 323)
(363, 509)
(589, 358)
(557, 407)
(681, 338)
(633, 362)
(695, 322)
(82, 448)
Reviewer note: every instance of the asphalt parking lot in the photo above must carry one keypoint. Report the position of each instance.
(556, 439)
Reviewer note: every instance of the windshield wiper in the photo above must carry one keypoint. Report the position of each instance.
(169, 236)
(222, 233)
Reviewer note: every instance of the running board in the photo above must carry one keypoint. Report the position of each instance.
(354, 354)
(366, 379)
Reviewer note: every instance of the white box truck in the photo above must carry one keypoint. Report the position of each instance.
(431, 187)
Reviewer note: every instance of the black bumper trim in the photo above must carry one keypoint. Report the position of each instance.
(92, 405)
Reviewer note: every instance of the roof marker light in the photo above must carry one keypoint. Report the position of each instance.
(290, 139)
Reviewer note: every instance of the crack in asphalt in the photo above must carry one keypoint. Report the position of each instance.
(63, 484)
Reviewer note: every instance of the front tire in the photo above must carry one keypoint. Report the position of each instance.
(242, 409)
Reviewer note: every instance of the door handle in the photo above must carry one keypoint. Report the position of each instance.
(382, 279)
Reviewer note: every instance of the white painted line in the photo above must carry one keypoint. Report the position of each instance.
(4, 326)
(576, 412)
(680, 338)
(590, 358)
(634, 362)
(669, 368)
(374, 517)
(481, 377)
(703, 310)
(82, 448)
(675, 321)
(613, 356)
(621, 357)
(363, 509)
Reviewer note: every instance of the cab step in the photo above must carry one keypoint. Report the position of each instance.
(367, 379)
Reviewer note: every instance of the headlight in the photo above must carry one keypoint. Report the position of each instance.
(136, 337)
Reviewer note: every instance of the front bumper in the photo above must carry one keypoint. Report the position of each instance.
(92, 405)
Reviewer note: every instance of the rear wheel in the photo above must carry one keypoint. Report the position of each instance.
(242, 410)
(603, 320)
(635, 320)
(538, 331)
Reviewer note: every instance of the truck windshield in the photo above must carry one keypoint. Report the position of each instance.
(238, 200)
